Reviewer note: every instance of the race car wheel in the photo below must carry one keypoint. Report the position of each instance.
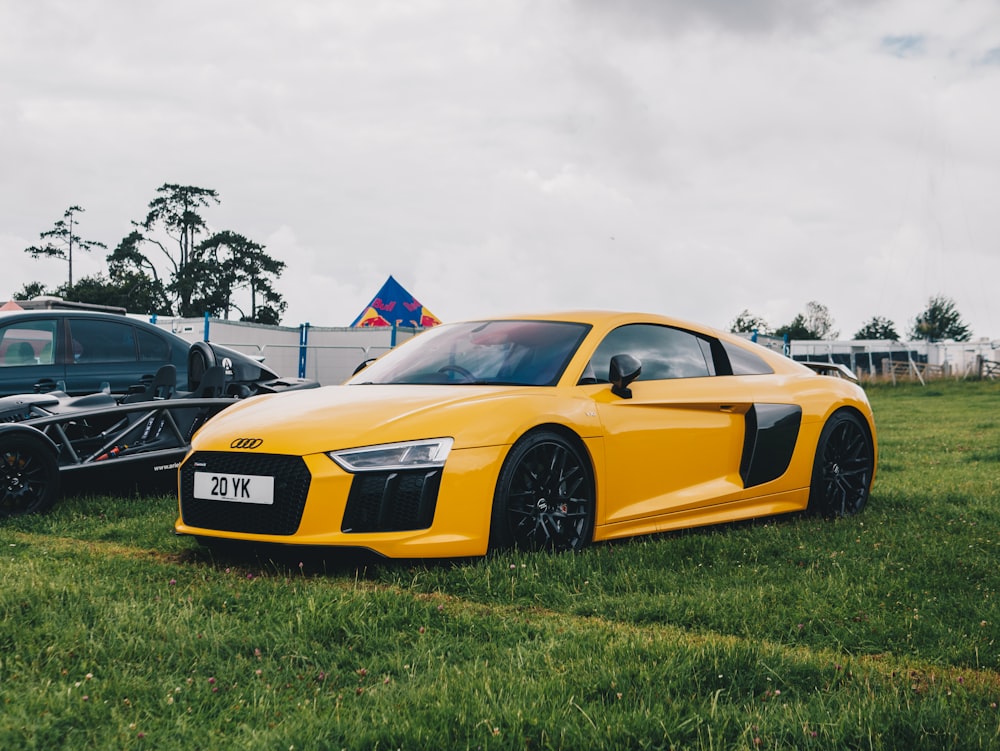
(29, 476)
(842, 472)
(544, 497)
(201, 357)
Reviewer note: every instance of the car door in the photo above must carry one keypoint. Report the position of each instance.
(676, 444)
(29, 356)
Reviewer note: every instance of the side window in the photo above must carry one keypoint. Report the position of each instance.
(102, 341)
(745, 362)
(28, 343)
(663, 351)
(152, 348)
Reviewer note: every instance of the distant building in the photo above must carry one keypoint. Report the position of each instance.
(878, 358)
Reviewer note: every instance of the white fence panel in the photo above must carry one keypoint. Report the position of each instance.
(331, 354)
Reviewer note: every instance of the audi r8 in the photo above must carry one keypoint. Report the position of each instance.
(540, 432)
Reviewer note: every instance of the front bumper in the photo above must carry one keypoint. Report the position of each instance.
(411, 514)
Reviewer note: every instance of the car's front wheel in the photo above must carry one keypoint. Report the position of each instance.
(544, 497)
(29, 475)
(844, 466)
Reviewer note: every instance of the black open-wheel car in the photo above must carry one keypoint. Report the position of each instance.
(52, 443)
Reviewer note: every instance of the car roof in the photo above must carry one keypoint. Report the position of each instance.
(61, 312)
(599, 318)
(605, 320)
(29, 315)
(67, 313)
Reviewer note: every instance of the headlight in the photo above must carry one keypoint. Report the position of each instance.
(406, 455)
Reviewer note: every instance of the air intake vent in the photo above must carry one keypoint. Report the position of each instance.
(392, 501)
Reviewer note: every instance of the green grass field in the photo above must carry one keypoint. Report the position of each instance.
(880, 631)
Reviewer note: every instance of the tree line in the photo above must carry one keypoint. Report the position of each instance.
(940, 320)
(221, 272)
(208, 271)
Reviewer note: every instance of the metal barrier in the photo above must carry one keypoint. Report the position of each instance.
(923, 372)
(328, 364)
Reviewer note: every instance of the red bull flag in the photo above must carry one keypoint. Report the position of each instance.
(394, 305)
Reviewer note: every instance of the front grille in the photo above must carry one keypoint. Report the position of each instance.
(392, 501)
(291, 486)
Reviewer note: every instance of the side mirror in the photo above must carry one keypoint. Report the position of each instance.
(624, 369)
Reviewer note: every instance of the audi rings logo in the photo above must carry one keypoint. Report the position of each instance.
(246, 443)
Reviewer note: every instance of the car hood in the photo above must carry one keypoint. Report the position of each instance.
(335, 417)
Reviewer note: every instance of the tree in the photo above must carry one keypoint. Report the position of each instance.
(239, 263)
(128, 257)
(819, 321)
(128, 289)
(30, 290)
(61, 240)
(172, 225)
(202, 274)
(747, 323)
(205, 270)
(266, 304)
(175, 212)
(939, 321)
(797, 329)
(815, 323)
(878, 328)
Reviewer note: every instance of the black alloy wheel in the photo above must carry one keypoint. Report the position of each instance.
(544, 498)
(29, 476)
(844, 467)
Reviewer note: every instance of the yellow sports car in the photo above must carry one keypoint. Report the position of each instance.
(540, 432)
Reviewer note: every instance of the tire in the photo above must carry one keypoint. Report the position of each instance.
(201, 357)
(844, 467)
(29, 476)
(544, 498)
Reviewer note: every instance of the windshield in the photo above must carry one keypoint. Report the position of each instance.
(523, 353)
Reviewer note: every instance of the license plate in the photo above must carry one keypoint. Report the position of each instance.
(259, 489)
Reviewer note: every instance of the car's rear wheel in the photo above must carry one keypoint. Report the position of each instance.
(201, 357)
(844, 466)
(29, 475)
(544, 498)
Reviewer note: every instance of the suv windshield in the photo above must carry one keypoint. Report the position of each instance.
(523, 353)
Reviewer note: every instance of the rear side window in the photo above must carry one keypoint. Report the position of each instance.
(102, 341)
(745, 362)
(152, 348)
(28, 343)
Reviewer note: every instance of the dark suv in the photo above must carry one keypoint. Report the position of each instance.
(77, 351)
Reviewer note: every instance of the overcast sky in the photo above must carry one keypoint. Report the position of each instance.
(496, 156)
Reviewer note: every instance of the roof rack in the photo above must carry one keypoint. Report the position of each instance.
(49, 302)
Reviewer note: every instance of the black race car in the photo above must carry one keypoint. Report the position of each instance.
(53, 442)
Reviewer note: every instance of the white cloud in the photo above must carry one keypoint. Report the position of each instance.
(695, 159)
